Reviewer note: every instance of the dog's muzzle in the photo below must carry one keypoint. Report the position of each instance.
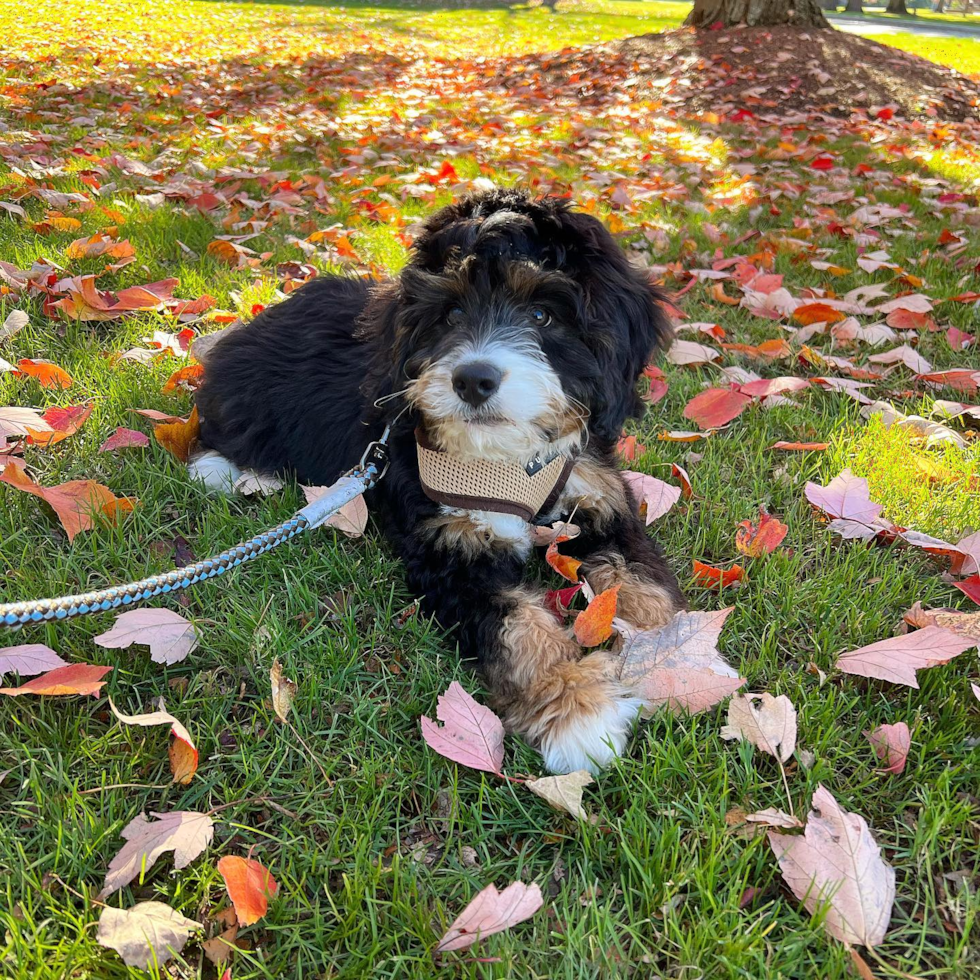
(481, 484)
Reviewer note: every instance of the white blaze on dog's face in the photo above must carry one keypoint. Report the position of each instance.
(483, 381)
(496, 398)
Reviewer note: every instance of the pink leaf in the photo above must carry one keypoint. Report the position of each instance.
(846, 498)
(969, 587)
(490, 912)
(471, 733)
(898, 658)
(655, 497)
(124, 439)
(169, 636)
(903, 355)
(689, 352)
(678, 665)
(29, 659)
(773, 386)
(891, 744)
(836, 865)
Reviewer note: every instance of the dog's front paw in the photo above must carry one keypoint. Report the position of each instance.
(590, 740)
(585, 716)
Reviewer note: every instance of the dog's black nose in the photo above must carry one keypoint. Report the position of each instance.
(476, 381)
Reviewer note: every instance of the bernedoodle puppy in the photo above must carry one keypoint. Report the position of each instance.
(508, 350)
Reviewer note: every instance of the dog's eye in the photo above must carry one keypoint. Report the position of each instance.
(456, 313)
(540, 317)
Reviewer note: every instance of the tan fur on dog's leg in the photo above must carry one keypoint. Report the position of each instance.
(571, 707)
(641, 602)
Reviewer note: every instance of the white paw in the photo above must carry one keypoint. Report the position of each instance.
(214, 471)
(591, 741)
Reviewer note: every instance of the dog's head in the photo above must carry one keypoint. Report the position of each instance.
(519, 324)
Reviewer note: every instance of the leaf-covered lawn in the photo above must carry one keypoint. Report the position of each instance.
(313, 135)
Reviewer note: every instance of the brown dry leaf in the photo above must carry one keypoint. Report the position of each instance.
(837, 865)
(563, 792)
(283, 691)
(769, 725)
(772, 817)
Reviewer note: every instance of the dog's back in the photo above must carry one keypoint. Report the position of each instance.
(284, 396)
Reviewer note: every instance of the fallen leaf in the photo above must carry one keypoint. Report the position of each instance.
(678, 665)
(186, 378)
(148, 934)
(772, 817)
(98, 245)
(691, 353)
(898, 658)
(847, 499)
(655, 498)
(710, 577)
(817, 313)
(169, 636)
(350, 520)
(594, 625)
(969, 587)
(769, 725)
(563, 792)
(716, 407)
(891, 744)
(249, 886)
(48, 375)
(124, 439)
(29, 659)
(801, 446)
(178, 437)
(283, 691)
(755, 540)
(491, 912)
(557, 601)
(73, 679)
(183, 761)
(59, 424)
(564, 565)
(250, 483)
(15, 321)
(471, 733)
(16, 422)
(184, 832)
(903, 355)
(767, 387)
(836, 865)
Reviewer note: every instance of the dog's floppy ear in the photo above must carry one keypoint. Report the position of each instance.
(627, 323)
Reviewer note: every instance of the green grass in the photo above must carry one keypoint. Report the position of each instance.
(371, 867)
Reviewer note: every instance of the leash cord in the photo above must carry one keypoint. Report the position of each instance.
(372, 467)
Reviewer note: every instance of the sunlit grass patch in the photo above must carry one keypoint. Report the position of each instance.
(935, 490)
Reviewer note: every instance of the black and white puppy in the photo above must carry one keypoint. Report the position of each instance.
(516, 332)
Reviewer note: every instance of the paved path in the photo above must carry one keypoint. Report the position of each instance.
(913, 25)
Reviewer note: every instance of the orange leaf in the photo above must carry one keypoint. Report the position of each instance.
(64, 422)
(762, 539)
(715, 407)
(188, 377)
(99, 244)
(768, 350)
(594, 625)
(48, 375)
(183, 760)
(717, 293)
(801, 446)
(73, 679)
(249, 885)
(817, 313)
(709, 576)
(77, 503)
(179, 437)
(564, 565)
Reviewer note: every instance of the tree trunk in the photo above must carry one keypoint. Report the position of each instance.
(896, 7)
(802, 13)
(855, 6)
(828, 4)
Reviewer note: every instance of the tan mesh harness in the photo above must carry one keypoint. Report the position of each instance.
(480, 484)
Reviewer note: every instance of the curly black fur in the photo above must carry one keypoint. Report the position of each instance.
(294, 390)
